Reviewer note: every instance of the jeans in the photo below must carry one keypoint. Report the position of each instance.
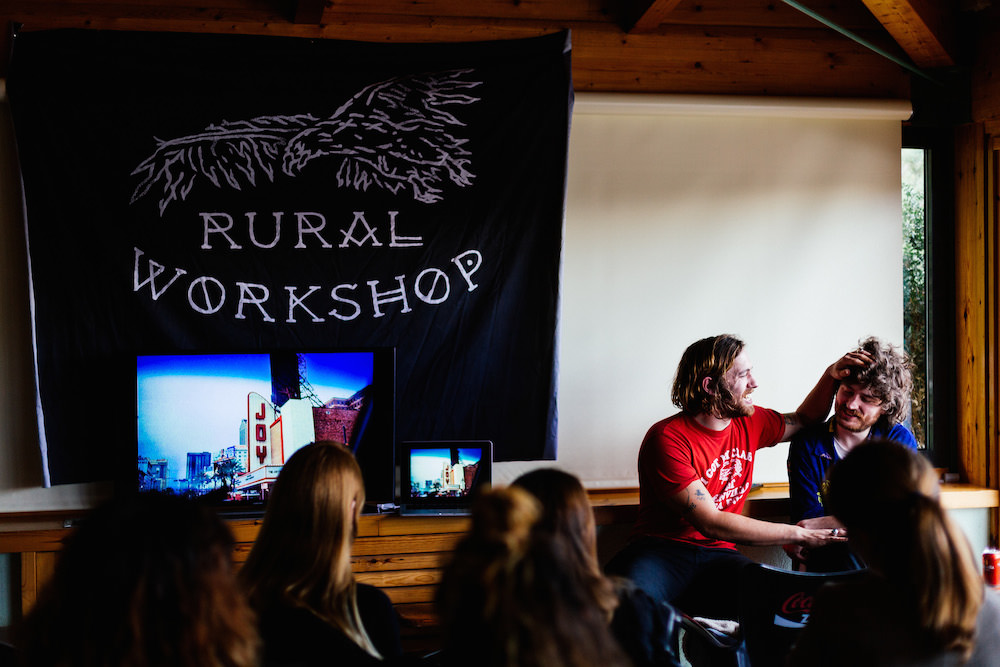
(700, 581)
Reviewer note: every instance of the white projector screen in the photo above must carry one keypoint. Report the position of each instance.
(775, 220)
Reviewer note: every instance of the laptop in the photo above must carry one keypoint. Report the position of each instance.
(440, 477)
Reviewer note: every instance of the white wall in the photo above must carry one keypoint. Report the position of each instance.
(778, 221)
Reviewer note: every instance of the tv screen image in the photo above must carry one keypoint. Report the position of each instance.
(442, 473)
(442, 477)
(220, 426)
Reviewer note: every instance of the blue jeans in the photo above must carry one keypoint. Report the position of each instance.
(700, 581)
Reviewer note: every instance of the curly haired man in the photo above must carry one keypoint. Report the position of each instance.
(872, 401)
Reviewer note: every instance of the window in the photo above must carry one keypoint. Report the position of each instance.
(915, 284)
(929, 286)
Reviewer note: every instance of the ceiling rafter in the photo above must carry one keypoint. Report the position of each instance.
(649, 14)
(309, 11)
(923, 28)
(748, 47)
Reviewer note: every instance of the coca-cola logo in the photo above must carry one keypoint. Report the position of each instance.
(797, 603)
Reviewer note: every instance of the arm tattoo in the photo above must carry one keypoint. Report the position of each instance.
(791, 419)
(689, 504)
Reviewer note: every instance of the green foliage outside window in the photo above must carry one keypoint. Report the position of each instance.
(915, 286)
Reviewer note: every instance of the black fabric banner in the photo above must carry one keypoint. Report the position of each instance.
(240, 193)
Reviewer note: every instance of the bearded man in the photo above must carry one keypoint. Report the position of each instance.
(872, 401)
(695, 470)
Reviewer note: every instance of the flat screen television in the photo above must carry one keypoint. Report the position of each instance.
(220, 426)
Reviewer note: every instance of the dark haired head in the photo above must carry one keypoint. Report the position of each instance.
(566, 508)
(886, 495)
(511, 595)
(143, 583)
(566, 512)
(888, 377)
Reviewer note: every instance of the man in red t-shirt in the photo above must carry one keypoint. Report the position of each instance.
(695, 469)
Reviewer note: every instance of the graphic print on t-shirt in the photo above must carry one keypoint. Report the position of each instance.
(727, 479)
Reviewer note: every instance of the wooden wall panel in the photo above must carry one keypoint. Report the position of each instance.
(990, 457)
(986, 76)
(30, 582)
(36, 569)
(596, 11)
(759, 13)
(971, 303)
(986, 459)
(398, 562)
(732, 61)
(402, 579)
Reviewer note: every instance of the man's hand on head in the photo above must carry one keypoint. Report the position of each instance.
(843, 366)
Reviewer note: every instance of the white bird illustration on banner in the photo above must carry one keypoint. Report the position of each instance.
(395, 135)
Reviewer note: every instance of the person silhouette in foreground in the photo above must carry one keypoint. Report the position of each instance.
(922, 600)
(644, 628)
(298, 573)
(143, 582)
(511, 594)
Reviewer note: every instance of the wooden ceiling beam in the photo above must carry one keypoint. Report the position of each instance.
(674, 59)
(648, 15)
(923, 28)
(309, 11)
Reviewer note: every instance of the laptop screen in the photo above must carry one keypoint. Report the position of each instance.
(440, 477)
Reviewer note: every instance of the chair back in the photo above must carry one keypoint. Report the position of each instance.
(774, 606)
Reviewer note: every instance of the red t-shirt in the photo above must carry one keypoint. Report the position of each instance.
(678, 450)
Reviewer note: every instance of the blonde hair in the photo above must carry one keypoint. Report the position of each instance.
(886, 495)
(302, 554)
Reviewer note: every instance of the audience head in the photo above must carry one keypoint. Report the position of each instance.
(886, 495)
(709, 358)
(888, 378)
(302, 555)
(143, 583)
(565, 506)
(567, 513)
(510, 595)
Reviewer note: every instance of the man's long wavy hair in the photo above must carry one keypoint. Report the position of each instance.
(302, 555)
(886, 495)
(888, 377)
(709, 357)
(146, 582)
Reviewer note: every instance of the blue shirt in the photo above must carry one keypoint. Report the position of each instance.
(812, 454)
